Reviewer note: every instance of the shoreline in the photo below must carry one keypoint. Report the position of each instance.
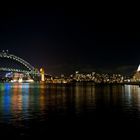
(85, 83)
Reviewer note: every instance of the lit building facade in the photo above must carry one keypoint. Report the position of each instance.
(136, 76)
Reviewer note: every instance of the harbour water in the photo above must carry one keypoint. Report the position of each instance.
(39, 109)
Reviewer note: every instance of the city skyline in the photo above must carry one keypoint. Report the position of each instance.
(18, 64)
(64, 40)
(69, 71)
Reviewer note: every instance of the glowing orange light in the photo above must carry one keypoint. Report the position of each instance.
(42, 74)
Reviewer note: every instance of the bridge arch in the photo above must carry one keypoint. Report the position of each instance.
(30, 68)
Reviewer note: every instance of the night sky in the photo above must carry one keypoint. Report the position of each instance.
(63, 40)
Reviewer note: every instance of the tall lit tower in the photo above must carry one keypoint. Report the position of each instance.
(42, 72)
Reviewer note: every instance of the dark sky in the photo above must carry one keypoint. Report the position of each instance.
(63, 39)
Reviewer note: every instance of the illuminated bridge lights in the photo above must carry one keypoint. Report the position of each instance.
(18, 59)
(31, 69)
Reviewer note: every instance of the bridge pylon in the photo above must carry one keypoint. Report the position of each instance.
(42, 73)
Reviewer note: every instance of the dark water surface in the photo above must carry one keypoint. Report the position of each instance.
(50, 110)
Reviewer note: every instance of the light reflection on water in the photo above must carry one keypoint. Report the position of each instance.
(22, 103)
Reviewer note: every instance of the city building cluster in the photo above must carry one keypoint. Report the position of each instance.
(94, 77)
(27, 73)
(90, 77)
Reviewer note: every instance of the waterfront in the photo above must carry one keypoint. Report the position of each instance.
(39, 109)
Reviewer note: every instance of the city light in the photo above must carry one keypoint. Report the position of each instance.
(34, 75)
(42, 72)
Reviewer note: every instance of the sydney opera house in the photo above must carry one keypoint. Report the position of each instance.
(136, 76)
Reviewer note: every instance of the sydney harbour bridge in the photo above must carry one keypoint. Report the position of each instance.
(23, 66)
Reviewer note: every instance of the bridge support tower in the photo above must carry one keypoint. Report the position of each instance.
(42, 72)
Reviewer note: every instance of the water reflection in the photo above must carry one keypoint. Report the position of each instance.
(20, 103)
